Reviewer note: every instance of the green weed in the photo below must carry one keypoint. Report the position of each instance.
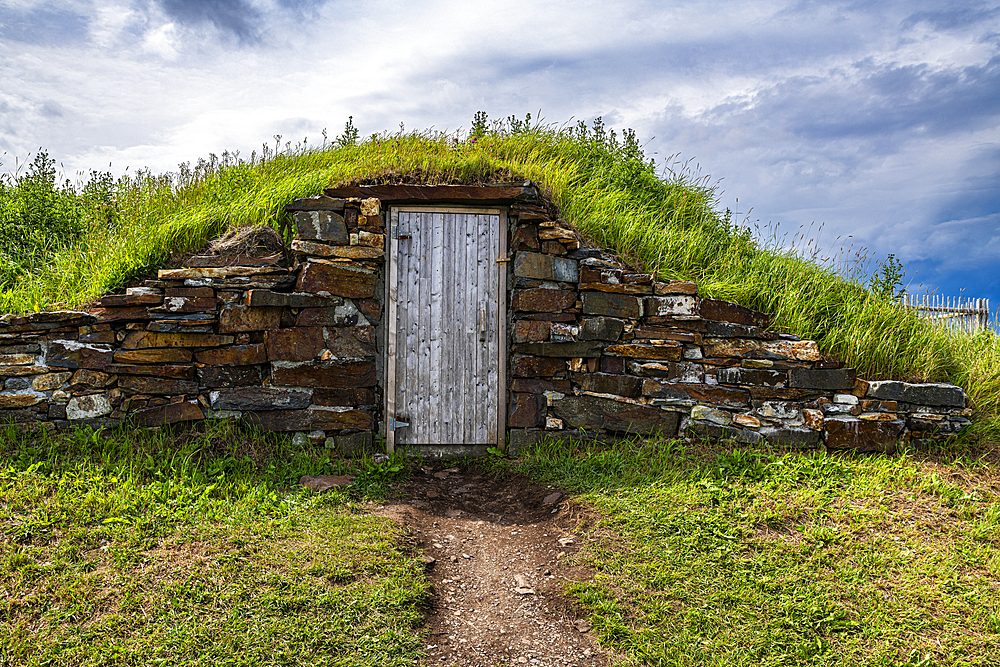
(195, 548)
(713, 556)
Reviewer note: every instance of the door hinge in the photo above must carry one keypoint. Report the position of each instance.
(394, 424)
(396, 234)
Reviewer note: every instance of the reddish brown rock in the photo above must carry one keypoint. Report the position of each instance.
(862, 436)
(530, 331)
(351, 342)
(221, 272)
(608, 383)
(338, 374)
(346, 315)
(338, 280)
(138, 340)
(72, 354)
(799, 350)
(88, 378)
(119, 300)
(665, 333)
(526, 410)
(543, 300)
(675, 287)
(370, 308)
(724, 311)
(357, 397)
(134, 384)
(126, 314)
(170, 413)
(536, 386)
(667, 351)
(612, 364)
(574, 349)
(308, 420)
(153, 356)
(186, 304)
(699, 393)
(176, 372)
(234, 318)
(532, 367)
(259, 298)
(240, 355)
(623, 288)
(525, 238)
(297, 344)
(13, 401)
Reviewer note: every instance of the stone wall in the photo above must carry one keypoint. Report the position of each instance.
(292, 342)
(600, 349)
(283, 345)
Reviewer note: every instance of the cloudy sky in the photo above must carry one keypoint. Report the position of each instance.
(878, 120)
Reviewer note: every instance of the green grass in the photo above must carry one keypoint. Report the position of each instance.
(668, 223)
(715, 556)
(196, 549)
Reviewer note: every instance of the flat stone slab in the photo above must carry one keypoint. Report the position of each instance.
(325, 482)
(940, 394)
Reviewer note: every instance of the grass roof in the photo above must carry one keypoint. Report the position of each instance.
(670, 224)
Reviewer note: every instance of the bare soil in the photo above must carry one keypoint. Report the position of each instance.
(502, 550)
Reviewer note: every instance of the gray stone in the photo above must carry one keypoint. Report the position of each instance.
(752, 376)
(88, 407)
(804, 438)
(354, 445)
(591, 413)
(519, 440)
(721, 433)
(615, 305)
(921, 394)
(545, 267)
(261, 398)
(17, 384)
(321, 226)
(601, 328)
(832, 379)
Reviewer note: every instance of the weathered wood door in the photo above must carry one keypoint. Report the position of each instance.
(446, 352)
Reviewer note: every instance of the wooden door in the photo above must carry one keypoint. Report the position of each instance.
(446, 349)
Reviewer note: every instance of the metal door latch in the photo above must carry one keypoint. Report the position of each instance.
(393, 424)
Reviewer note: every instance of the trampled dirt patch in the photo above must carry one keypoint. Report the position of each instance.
(500, 548)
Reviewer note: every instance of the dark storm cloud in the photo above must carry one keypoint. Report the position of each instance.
(954, 17)
(236, 17)
(42, 25)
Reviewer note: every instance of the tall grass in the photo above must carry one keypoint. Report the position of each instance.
(670, 224)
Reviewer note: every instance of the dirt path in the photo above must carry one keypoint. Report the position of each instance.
(499, 549)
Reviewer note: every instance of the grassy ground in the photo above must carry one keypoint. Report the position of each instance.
(714, 556)
(195, 550)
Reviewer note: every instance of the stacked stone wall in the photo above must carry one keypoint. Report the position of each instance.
(599, 350)
(293, 342)
(282, 345)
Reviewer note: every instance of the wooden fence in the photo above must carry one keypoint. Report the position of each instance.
(958, 313)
